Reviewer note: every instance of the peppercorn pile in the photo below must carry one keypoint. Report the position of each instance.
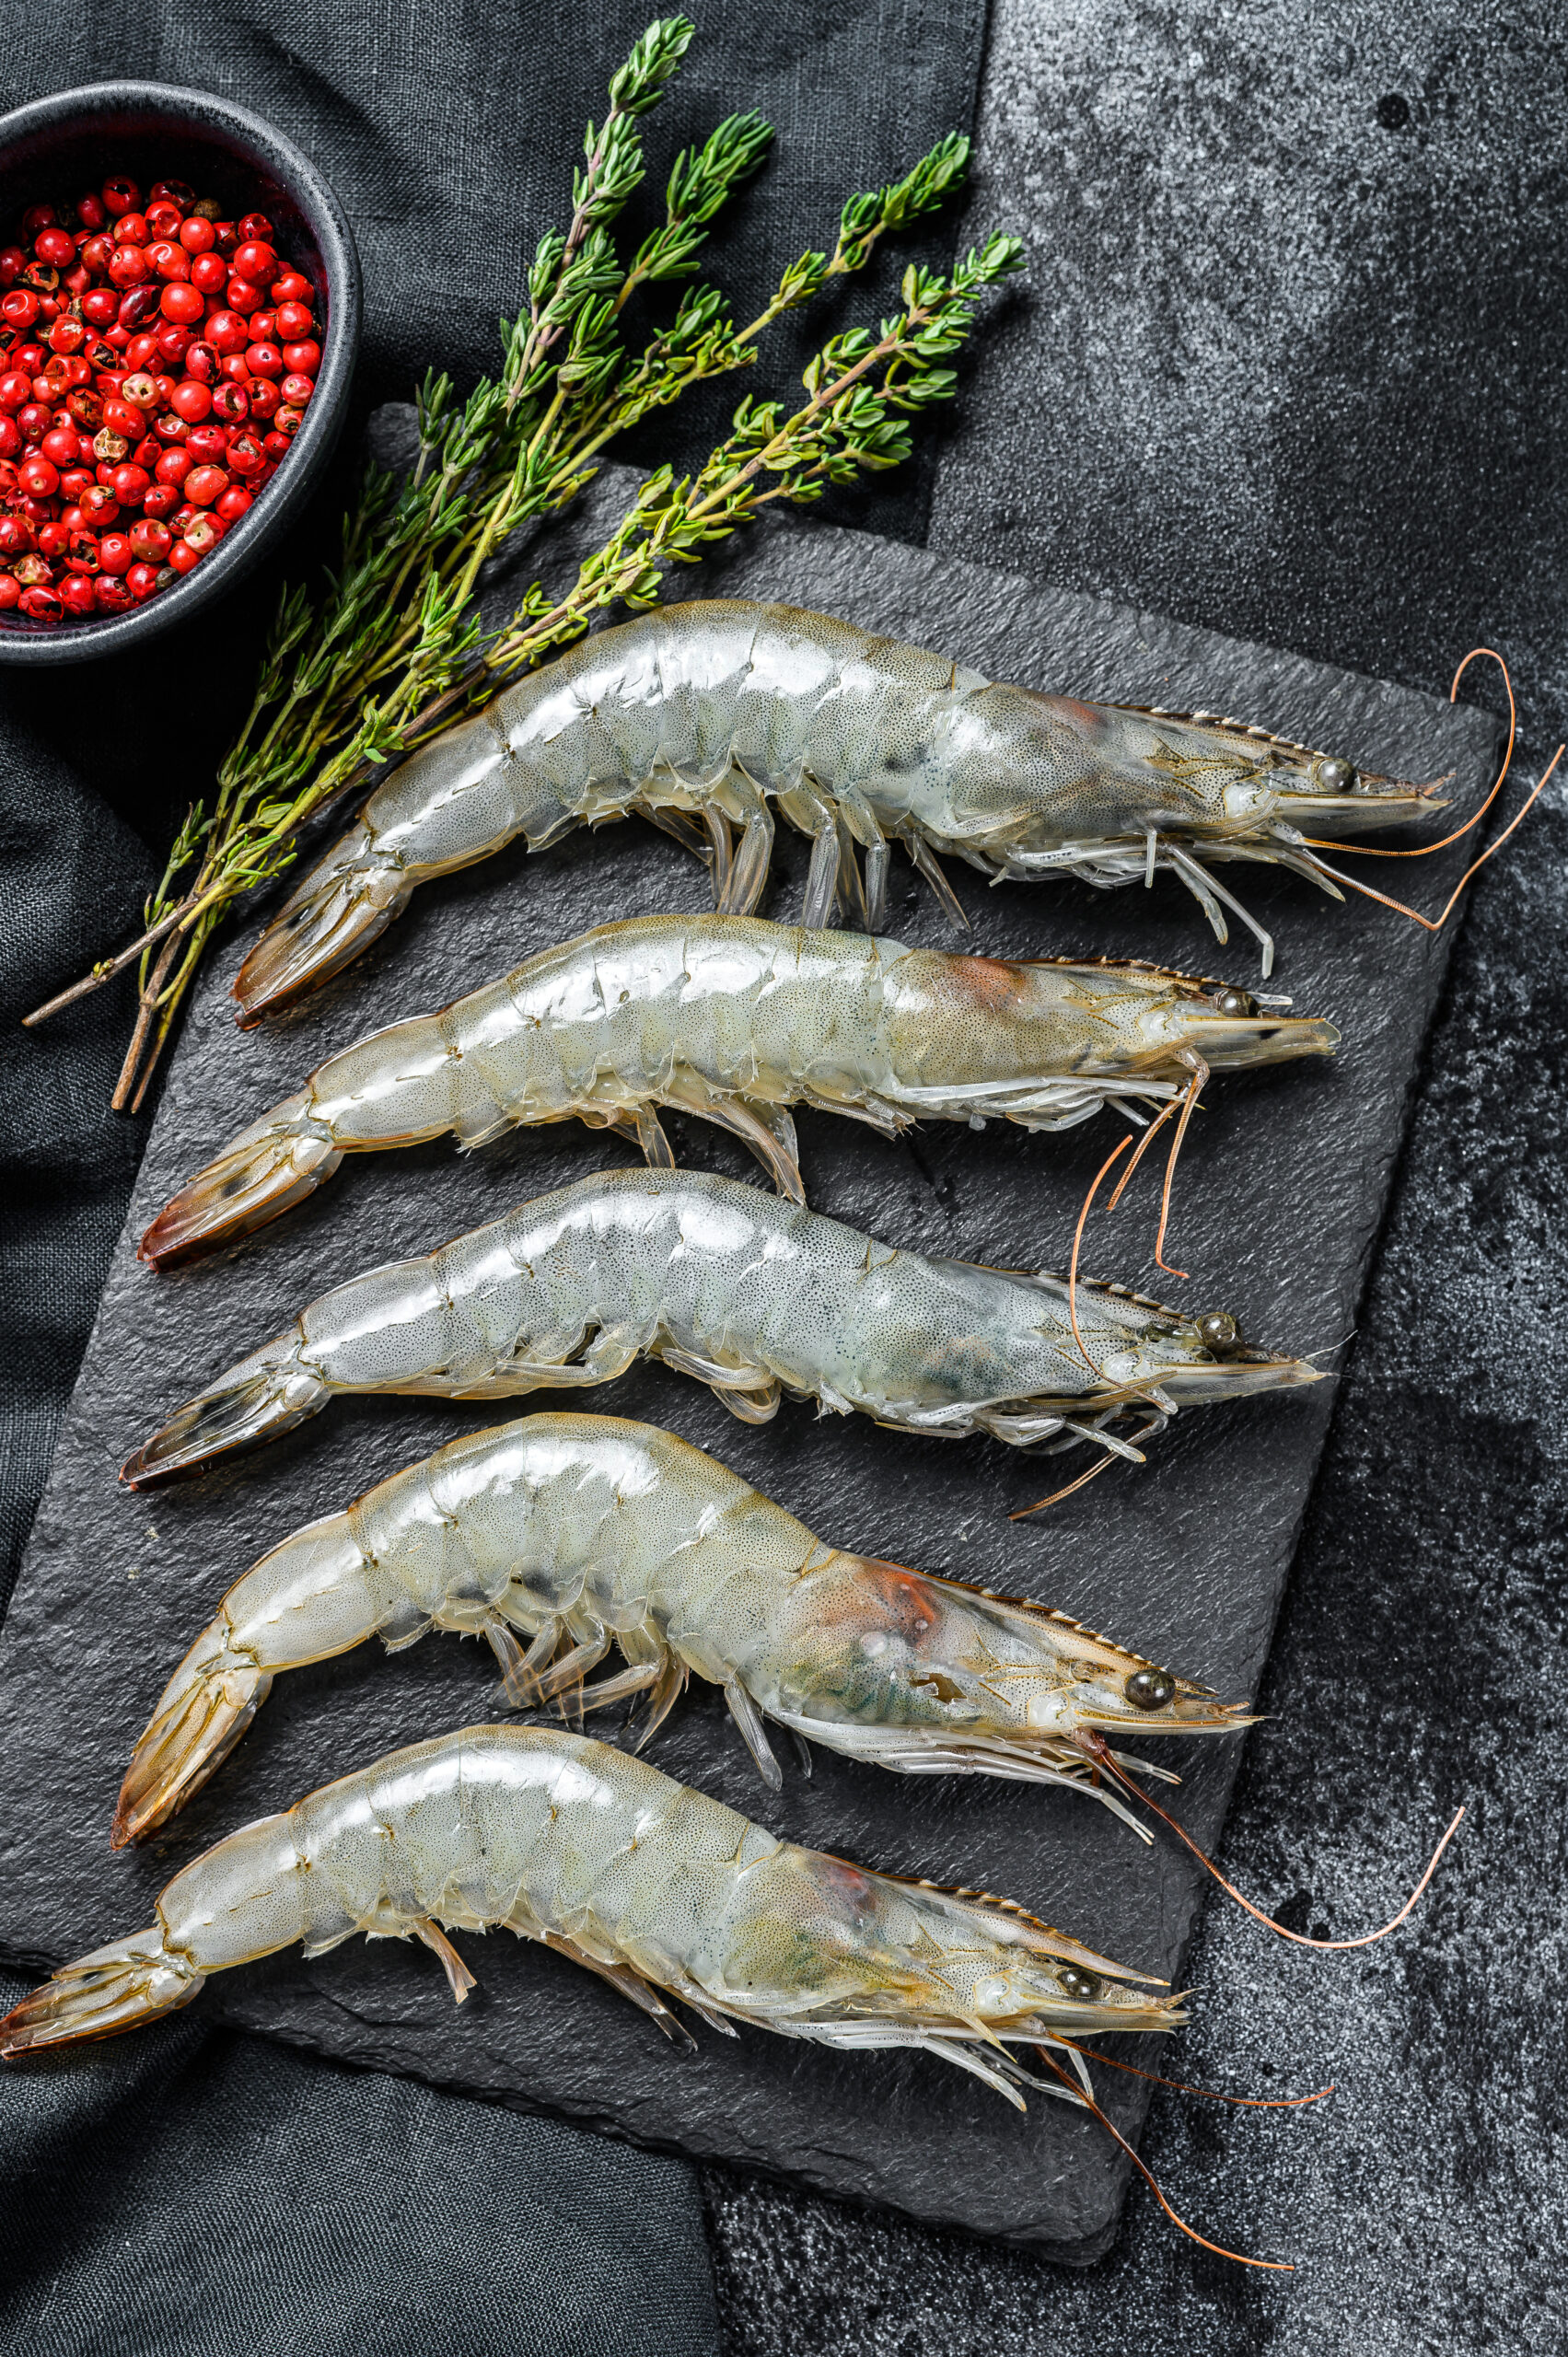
(154, 366)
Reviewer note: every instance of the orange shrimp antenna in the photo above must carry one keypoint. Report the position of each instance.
(1100, 1752)
(1056, 1496)
(1187, 1103)
(1077, 1244)
(1143, 1144)
(1277, 2266)
(1210, 2094)
(1422, 850)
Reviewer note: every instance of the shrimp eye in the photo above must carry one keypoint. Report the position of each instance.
(1150, 1689)
(1335, 777)
(1234, 1001)
(1078, 1983)
(1220, 1332)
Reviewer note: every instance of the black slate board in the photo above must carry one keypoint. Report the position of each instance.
(1283, 1189)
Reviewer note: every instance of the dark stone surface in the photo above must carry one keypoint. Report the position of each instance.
(1282, 1195)
(1287, 360)
(1289, 369)
(1420, 1660)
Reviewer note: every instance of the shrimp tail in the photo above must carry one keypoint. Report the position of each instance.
(274, 1164)
(266, 1394)
(201, 1719)
(116, 1987)
(348, 899)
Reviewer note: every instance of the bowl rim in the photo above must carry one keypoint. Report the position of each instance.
(173, 106)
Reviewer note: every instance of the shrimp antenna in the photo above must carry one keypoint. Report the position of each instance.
(1102, 1753)
(1056, 1496)
(1077, 1244)
(1211, 2095)
(1099, 1467)
(1422, 851)
(1143, 1144)
(1190, 1097)
(1187, 1103)
(1277, 2266)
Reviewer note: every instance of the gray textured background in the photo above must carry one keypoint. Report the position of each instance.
(1283, 370)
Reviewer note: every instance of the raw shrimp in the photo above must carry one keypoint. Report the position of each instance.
(736, 1020)
(651, 1884)
(750, 1294)
(703, 716)
(581, 1531)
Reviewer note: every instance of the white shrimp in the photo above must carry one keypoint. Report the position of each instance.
(703, 715)
(653, 1885)
(750, 1293)
(736, 1020)
(579, 1532)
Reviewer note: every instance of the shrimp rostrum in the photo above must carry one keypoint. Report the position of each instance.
(707, 716)
(573, 1533)
(750, 1294)
(736, 1020)
(662, 1891)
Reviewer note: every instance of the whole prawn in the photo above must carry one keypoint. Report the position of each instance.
(658, 1888)
(581, 1531)
(751, 1295)
(736, 1020)
(705, 716)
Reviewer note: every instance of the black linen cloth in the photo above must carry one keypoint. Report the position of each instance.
(189, 2189)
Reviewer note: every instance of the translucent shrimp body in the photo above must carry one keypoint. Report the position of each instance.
(748, 1293)
(704, 716)
(736, 1020)
(578, 1532)
(651, 1884)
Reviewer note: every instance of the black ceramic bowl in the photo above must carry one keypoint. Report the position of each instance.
(63, 146)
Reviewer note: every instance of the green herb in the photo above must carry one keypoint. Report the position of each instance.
(863, 386)
(392, 646)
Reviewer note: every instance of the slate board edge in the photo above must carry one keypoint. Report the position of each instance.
(1083, 2252)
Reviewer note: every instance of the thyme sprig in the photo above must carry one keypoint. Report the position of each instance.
(393, 645)
(864, 386)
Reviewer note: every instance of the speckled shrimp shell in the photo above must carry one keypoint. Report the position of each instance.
(736, 1020)
(748, 1293)
(660, 1891)
(706, 716)
(574, 1532)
